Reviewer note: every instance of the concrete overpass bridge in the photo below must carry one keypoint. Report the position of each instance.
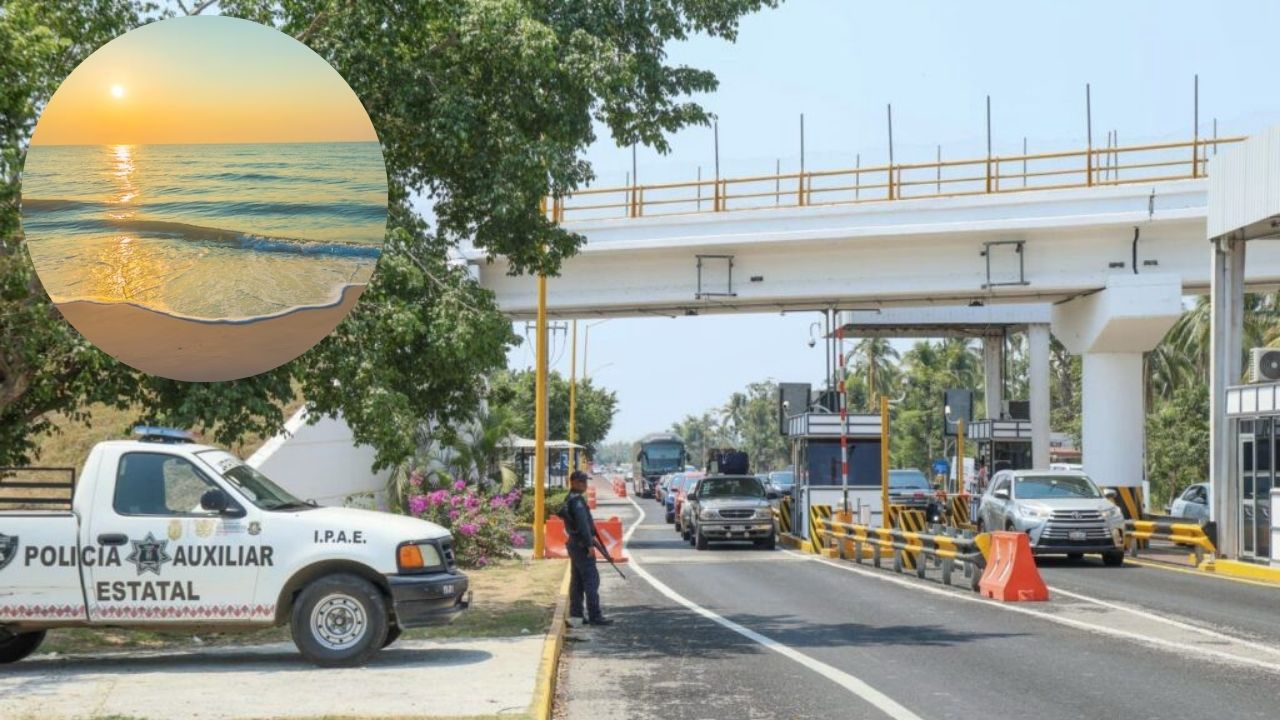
(943, 233)
(1107, 240)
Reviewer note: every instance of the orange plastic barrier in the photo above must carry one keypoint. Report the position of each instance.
(610, 533)
(591, 497)
(1011, 574)
(555, 538)
(619, 486)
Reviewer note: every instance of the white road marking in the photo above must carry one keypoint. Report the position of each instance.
(858, 687)
(1168, 621)
(1180, 648)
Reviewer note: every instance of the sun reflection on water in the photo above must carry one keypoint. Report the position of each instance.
(122, 169)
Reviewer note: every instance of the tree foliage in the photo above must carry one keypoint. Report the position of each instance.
(1178, 442)
(593, 412)
(483, 106)
(748, 421)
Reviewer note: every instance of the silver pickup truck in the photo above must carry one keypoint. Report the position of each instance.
(731, 507)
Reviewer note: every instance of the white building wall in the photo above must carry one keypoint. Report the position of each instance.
(321, 462)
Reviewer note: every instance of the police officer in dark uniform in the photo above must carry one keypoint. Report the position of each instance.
(581, 529)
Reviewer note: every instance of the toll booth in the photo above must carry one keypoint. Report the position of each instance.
(1253, 412)
(1001, 444)
(814, 438)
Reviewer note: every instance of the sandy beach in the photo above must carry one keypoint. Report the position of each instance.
(205, 350)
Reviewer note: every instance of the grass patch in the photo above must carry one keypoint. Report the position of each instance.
(509, 598)
(71, 442)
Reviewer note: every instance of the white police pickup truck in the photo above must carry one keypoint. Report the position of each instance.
(168, 535)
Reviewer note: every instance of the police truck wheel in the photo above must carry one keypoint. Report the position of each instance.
(1113, 559)
(700, 540)
(339, 621)
(15, 646)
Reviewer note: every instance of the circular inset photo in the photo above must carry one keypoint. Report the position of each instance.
(204, 198)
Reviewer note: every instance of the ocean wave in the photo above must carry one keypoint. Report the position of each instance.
(220, 236)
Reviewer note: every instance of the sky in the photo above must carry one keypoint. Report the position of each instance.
(202, 80)
(840, 62)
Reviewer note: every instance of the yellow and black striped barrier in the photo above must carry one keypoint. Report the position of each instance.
(1176, 531)
(819, 519)
(910, 520)
(958, 511)
(1129, 500)
(783, 512)
(947, 550)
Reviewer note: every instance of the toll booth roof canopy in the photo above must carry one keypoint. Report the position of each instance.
(827, 425)
(948, 321)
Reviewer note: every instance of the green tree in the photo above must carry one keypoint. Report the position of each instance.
(1178, 442)
(758, 430)
(875, 365)
(484, 106)
(593, 413)
(45, 365)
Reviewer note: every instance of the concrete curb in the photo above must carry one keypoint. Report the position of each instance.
(1248, 571)
(544, 691)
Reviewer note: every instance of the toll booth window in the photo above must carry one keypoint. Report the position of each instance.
(823, 463)
(155, 484)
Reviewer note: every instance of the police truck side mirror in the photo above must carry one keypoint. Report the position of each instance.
(1001, 494)
(772, 495)
(214, 501)
(1109, 493)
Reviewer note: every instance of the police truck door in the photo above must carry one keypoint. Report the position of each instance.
(165, 559)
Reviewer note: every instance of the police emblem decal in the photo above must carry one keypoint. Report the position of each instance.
(149, 554)
(8, 549)
(255, 527)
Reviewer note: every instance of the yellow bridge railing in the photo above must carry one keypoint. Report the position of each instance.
(1089, 167)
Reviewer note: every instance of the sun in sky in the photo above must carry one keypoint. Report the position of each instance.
(156, 84)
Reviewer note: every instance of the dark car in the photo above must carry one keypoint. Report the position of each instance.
(908, 487)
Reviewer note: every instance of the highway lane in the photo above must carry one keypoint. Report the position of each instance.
(1241, 608)
(938, 653)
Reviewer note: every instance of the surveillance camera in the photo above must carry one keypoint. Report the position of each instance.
(812, 342)
(786, 404)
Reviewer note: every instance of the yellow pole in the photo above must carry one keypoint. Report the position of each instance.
(959, 455)
(884, 461)
(540, 426)
(573, 396)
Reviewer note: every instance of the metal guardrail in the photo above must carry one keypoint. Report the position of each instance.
(1172, 530)
(945, 550)
(1087, 167)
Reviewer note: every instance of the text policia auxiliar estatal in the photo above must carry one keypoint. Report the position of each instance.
(183, 556)
(144, 590)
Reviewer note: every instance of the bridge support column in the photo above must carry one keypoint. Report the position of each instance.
(993, 375)
(1038, 380)
(1226, 293)
(1111, 329)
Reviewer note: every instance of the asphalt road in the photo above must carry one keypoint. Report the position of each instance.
(734, 632)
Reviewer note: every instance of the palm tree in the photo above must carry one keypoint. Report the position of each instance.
(877, 362)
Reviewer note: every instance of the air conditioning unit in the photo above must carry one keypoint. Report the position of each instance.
(1264, 365)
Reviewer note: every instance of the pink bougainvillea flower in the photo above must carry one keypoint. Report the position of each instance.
(417, 504)
(460, 485)
(468, 529)
(453, 514)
